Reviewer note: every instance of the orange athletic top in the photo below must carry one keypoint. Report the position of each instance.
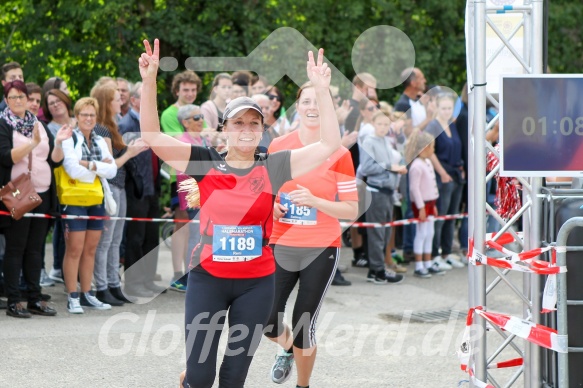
(334, 180)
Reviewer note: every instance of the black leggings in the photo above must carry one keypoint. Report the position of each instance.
(315, 272)
(208, 298)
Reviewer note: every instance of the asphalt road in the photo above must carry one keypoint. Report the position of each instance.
(366, 338)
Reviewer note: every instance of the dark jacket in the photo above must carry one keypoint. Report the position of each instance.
(6, 164)
(140, 166)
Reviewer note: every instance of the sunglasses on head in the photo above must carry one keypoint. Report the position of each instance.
(373, 108)
(197, 117)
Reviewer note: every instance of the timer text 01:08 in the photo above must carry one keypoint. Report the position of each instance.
(567, 126)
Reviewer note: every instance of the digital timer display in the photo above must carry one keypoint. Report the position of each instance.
(541, 126)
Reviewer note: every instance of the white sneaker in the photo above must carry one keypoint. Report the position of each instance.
(464, 259)
(45, 281)
(441, 264)
(56, 275)
(88, 300)
(74, 306)
(455, 263)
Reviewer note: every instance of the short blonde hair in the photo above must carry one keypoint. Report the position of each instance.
(85, 102)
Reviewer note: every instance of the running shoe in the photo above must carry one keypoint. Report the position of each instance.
(178, 286)
(45, 280)
(56, 275)
(74, 306)
(454, 262)
(397, 258)
(360, 261)
(397, 268)
(422, 273)
(282, 368)
(386, 276)
(441, 264)
(88, 300)
(435, 270)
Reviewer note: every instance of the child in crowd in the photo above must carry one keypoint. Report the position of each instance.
(381, 164)
(423, 193)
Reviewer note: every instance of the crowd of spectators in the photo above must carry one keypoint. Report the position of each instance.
(98, 138)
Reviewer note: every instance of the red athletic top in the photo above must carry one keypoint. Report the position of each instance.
(333, 180)
(236, 197)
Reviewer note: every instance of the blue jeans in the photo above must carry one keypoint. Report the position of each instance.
(450, 196)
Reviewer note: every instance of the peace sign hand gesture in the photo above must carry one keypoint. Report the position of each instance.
(149, 60)
(318, 73)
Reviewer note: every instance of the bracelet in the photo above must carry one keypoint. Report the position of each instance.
(57, 145)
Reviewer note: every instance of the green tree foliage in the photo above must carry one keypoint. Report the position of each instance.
(84, 39)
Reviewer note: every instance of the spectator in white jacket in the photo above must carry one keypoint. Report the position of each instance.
(87, 158)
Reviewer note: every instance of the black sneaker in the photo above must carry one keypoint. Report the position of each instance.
(434, 270)
(385, 276)
(422, 273)
(370, 276)
(360, 261)
(88, 300)
(340, 281)
(105, 296)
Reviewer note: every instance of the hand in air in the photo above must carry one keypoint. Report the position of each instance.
(149, 61)
(343, 111)
(136, 147)
(36, 134)
(319, 73)
(64, 133)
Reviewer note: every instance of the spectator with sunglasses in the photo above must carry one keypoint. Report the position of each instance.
(192, 119)
(276, 116)
(367, 108)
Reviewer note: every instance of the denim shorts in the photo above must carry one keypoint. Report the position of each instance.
(81, 225)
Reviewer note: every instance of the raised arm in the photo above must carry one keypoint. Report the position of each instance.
(305, 159)
(169, 149)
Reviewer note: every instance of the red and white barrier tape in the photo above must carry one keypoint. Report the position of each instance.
(409, 221)
(532, 332)
(343, 224)
(538, 334)
(523, 262)
(507, 364)
(73, 217)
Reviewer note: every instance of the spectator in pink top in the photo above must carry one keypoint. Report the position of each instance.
(22, 137)
(423, 193)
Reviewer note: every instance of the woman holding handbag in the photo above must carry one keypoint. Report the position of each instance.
(22, 140)
(87, 158)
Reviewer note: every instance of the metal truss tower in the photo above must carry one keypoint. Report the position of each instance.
(530, 56)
